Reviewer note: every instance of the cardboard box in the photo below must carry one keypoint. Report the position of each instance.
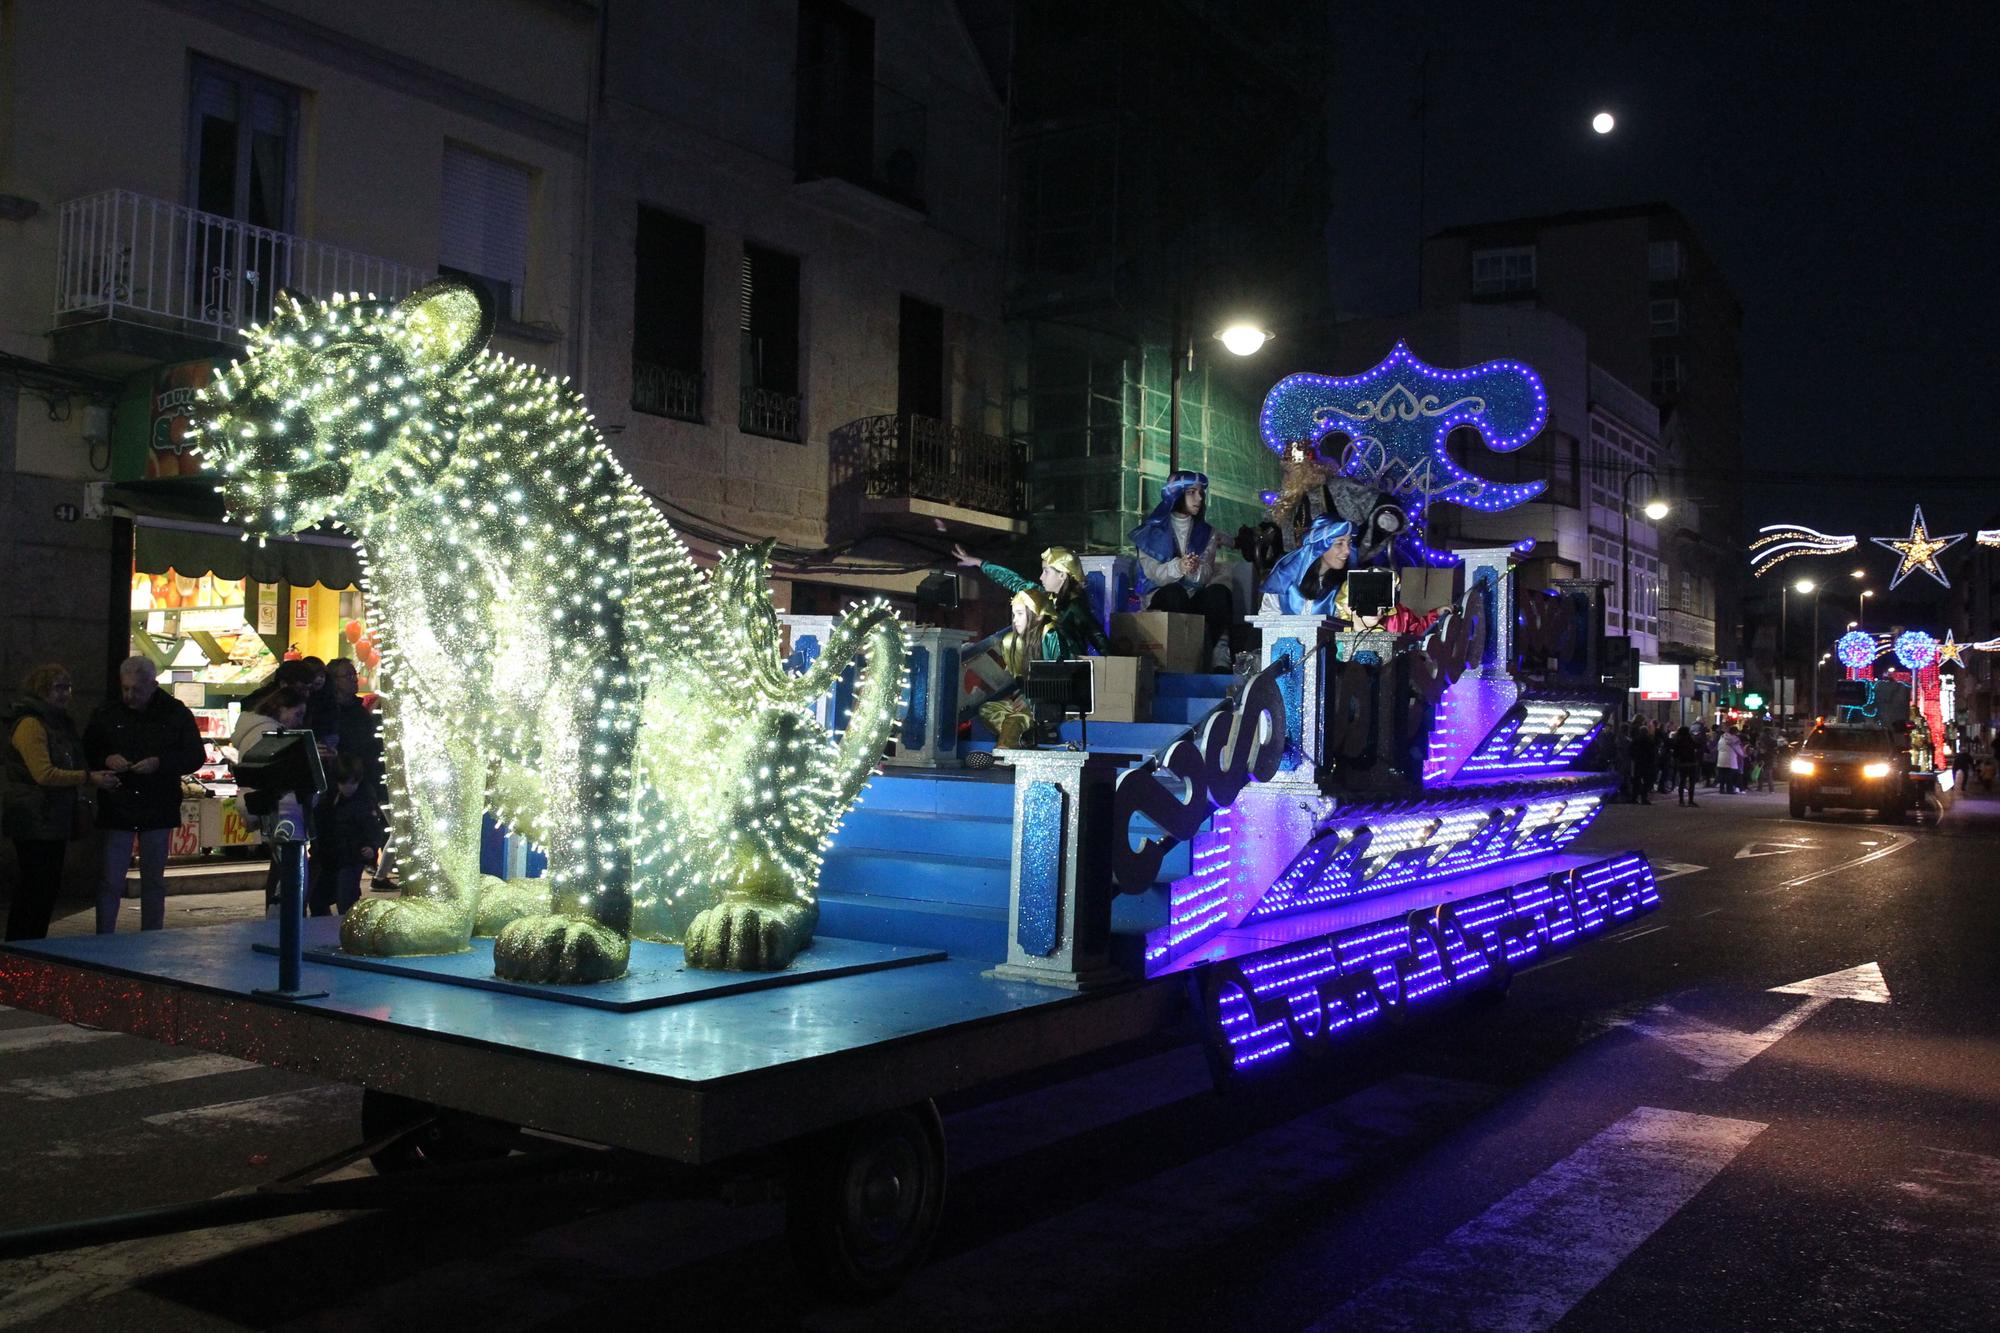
(1171, 639)
(1121, 689)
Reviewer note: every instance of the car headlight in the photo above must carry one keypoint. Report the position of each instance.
(1803, 767)
(1878, 769)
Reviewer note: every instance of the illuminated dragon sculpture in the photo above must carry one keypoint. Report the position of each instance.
(551, 653)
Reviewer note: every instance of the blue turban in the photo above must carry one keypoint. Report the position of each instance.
(1155, 537)
(1286, 574)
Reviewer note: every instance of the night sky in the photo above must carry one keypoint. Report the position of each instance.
(1840, 161)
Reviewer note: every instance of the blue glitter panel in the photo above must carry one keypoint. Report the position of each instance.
(1394, 420)
(1041, 858)
(916, 722)
(1292, 685)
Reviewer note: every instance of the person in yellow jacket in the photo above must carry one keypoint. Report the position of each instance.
(45, 771)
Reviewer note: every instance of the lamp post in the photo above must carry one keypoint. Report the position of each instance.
(1861, 616)
(1656, 509)
(1802, 587)
(1241, 338)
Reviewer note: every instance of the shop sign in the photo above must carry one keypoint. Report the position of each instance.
(267, 608)
(68, 513)
(1659, 681)
(169, 451)
(186, 838)
(301, 612)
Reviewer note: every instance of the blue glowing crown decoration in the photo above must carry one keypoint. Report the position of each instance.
(1916, 649)
(1856, 650)
(1395, 419)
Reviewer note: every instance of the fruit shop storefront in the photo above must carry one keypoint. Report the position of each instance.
(213, 612)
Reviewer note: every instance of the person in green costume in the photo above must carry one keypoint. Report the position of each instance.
(1076, 625)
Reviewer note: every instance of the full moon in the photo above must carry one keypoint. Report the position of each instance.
(1602, 122)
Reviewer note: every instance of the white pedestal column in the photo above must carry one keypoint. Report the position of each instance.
(806, 636)
(1304, 643)
(1109, 580)
(928, 734)
(1059, 896)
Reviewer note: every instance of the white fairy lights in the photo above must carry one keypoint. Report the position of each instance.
(550, 651)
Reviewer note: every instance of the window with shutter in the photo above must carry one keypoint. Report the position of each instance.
(770, 349)
(483, 224)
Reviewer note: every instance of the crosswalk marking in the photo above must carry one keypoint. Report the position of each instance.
(55, 1034)
(271, 1110)
(150, 1073)
(1526, 1260)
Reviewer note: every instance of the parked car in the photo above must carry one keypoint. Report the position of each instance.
(1850, 767)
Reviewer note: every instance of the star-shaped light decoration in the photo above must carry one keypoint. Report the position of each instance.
(1919, 550)
(1949, 650)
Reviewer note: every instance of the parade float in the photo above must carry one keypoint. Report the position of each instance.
(726, 968)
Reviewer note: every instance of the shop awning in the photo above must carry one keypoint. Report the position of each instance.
(181, 520)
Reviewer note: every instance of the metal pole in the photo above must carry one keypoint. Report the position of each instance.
(1815, 661)
(291, 851)
(1784, 613)
(1174, 398)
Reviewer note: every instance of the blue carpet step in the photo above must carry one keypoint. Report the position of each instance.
(1187, 684)
(926, 876)
(1140, 738)
(942, 791)
(962, 931)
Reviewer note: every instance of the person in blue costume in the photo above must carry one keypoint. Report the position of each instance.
(1177, 549)
(1061, 579)
(1312, 580)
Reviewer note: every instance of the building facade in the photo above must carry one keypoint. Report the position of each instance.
(1598, 430)
(795, 282)
(1658, 313)
(1167, 174)
(221, 154)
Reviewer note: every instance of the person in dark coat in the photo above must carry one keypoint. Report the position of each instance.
(45, 774)
(1686, 748)
(1645, 755)
(149, 739)
(349, 838)
(349, 726)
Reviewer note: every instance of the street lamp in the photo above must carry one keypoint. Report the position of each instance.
(1242, 338)
(1656, 509)
(1861, 616)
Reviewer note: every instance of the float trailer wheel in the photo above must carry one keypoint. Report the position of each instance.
(433, 1135)
(863, 1201)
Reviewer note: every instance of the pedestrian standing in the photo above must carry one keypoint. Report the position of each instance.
(45, 776)
(1687, 765)
(1767, 757)
(1664, 757)
(1710, 739)
(348, 839)
(1729, 761)
(149, 739)
(1645, 757)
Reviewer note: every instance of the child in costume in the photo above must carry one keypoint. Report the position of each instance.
(1177, 549)
(1061, 579)
(1033, 638)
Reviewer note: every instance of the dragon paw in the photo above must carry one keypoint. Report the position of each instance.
(560, 949)
(748, 935)
(400, 927)
(505, 901)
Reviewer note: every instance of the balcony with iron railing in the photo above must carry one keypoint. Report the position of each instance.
(930, 469)
(854, 129)
(663, 391)
(124, 258)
